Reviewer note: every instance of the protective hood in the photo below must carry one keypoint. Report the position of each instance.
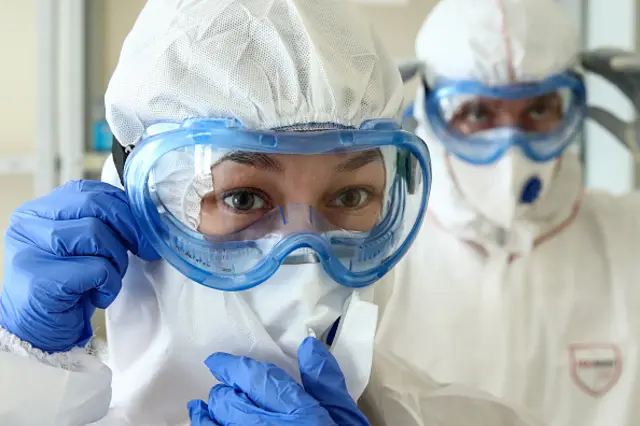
(497, 42)
(268, 64)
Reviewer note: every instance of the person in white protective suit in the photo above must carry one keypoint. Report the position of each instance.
(529, 286)
(267, 186)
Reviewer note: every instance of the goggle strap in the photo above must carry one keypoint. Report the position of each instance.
(120, 154)
(425, 85)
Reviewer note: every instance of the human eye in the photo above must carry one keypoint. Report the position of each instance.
(476, 113)
(473, 116)
(245, 200)
(351, 198)
(545, 108)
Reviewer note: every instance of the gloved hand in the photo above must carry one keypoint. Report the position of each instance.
(253, 392)
(323, 380)
(65, 255)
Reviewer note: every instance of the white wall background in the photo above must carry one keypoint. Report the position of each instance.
(609, 165)
(17, 99)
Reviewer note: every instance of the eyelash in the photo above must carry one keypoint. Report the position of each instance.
(370, 194)
(252, 191)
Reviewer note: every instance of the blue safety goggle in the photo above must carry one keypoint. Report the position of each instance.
(446, 101)
(174, 180)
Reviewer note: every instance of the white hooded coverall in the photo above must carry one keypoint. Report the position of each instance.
(270, 64)
(545, 313)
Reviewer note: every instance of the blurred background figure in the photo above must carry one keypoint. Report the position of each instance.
(529, 287)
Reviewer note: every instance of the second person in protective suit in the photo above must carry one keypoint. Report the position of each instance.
(530, 283)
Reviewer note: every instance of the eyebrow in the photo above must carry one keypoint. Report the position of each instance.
(548, 97)
(253, 159)
(359, 161)
(270, 164)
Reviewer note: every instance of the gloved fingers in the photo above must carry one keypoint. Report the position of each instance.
(87, 236)
(323, 380)
(87, 330)
(268, 386)
(199, 414)
(68, 195)
(83, 199)
(316, 361)
(97, 277)
(108, 284)
(92, 185)
(130, 233)
(230, 406)
(61, 281)
(145, 250)
(46, 304)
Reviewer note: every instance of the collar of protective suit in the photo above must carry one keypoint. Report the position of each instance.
(552, 212)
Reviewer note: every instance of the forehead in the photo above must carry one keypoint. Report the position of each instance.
(354, 159)
(339, 162)
(546, 97)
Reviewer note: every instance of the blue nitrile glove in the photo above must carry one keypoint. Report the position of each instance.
(323, 380)
(253, 392)
(65, 254)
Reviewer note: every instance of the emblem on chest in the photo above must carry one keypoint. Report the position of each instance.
(595, 367)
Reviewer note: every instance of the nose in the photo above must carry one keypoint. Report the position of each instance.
(298, 217)
(507, 119)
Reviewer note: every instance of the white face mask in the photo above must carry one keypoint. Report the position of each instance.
(302, 300)
(163, 326)
(503, 191)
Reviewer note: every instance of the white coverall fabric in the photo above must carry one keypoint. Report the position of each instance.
(544, 315)
(78, 391)
(270, 64)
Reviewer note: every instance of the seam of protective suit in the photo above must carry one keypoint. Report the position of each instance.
(511, 72)
(71, 360)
